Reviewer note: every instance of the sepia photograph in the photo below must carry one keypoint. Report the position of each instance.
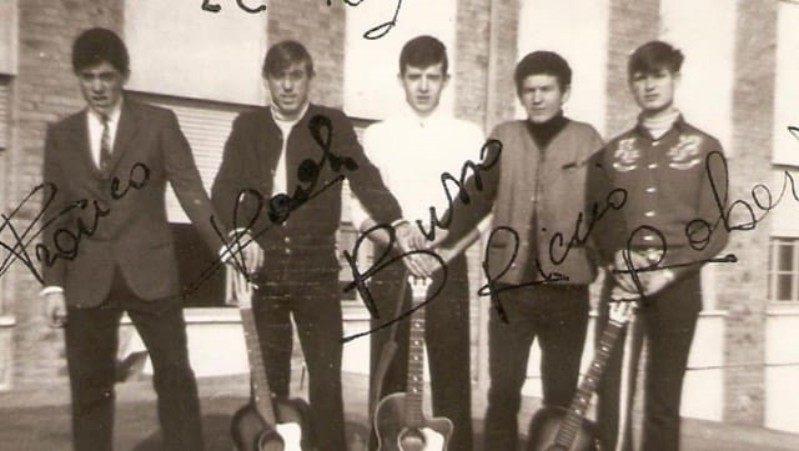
(399, 225)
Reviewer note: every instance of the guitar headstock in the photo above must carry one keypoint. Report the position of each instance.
(238, 289)
(419, 287)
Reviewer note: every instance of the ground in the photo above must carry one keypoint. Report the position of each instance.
(39, 420)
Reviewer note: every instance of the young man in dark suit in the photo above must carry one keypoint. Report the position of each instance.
(280, 184)
(108, 248)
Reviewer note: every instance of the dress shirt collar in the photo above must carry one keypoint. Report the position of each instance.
(435, 117)
(113, 116)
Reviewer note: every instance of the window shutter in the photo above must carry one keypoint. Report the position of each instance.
(206, 126)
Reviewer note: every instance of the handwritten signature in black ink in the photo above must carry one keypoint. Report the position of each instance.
(373, 33)
(281, 205)
(615, 200)
(66, 240)
(386, 259)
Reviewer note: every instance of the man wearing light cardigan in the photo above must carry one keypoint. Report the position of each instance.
(535, 186)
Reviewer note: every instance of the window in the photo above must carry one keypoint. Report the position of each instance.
(783, 269)
(206, 125)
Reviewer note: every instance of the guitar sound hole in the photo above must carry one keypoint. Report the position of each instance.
(271, 441)
(411, 439)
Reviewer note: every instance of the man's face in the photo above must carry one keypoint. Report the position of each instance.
(423, 87)
(542, 97)
(101, 85)
(289, 89)
(654, 91)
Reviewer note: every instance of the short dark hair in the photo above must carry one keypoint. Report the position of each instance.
(98, 45)
(284, 54)
(423, 51)
(654, 56)
(543, 62)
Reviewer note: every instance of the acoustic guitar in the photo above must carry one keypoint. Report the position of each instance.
(264, 424)
(399, 420)
(558, 429)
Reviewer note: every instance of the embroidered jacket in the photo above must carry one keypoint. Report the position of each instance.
(676, 189)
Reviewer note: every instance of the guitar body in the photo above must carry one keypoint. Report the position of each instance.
(251, 433)
(392, 435)
(544, 428)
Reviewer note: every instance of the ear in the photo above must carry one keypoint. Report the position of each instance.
(566, 94)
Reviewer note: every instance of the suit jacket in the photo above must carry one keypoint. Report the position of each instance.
(308, 233)
(97, 222)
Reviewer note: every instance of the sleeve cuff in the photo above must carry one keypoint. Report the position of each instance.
(51, 289)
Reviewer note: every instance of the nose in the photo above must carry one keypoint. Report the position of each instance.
(96, 85)
(649, 83)
(537, 97)
(287, 84)
(424, 85)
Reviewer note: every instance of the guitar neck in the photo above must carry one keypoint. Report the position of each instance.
(582, 399)
(415, 384)
(261, 391)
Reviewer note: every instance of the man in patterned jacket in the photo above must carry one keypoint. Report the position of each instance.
(669, 219)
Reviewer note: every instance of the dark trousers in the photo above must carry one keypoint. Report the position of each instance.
(668, 321)
(91, 344)
(558, 317)
(311, 295)
(446, 338)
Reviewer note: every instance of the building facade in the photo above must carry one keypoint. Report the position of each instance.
(737, 84)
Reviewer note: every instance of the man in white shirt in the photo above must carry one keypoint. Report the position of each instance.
(412, 151)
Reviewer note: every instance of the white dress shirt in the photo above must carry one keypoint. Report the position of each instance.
(412, 153)
(96, 130)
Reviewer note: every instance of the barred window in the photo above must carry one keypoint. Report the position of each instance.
(783, 269)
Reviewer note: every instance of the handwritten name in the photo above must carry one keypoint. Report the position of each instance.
(380, 263)
(373, 33)
(65, 240)
(280, 206)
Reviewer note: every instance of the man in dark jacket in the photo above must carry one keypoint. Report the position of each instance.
(108, 248)
(280, 184)
(670, 224)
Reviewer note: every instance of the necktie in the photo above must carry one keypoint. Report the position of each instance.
(105, 145)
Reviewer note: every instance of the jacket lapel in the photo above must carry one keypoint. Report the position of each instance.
(126, 131)
(81, 144)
